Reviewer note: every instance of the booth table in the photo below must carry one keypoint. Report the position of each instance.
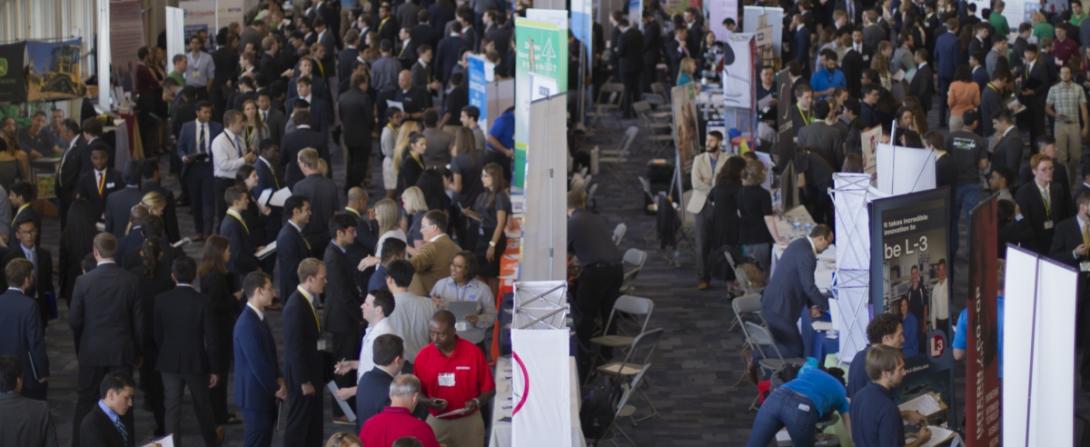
(502, 405)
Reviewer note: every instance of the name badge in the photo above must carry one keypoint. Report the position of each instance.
(110, 185)
(446, 379)
(1048, 224)
(322, 345)
(1084, 266)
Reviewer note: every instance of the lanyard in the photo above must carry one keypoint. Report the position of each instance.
(234, 214)
(805, 117)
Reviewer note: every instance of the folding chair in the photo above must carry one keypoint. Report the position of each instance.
(624, 409)
(740, 276)
(646, 186)
(772, 360)
(618, 233)
(628, 311)
(592, 192)
(633, 262)
(608, 102)
(636, 358)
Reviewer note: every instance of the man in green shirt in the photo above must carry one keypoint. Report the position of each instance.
(1041, 28)
(1077, 16)
(180, 64)
(998, 21)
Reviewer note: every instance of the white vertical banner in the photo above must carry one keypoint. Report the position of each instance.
(175, 22)
(851, 308)
(541, 383)
(545, 230)
(738, 71)
(102, 8)
(718, 10)
(902, 170)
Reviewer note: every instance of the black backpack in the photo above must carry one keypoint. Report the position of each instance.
(600, 399)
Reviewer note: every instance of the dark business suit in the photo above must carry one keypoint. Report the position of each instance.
(276, 122)
(853, 66)
(107, 319)
(118, 207)
(1040, 219)
(923, 86)
(341, 315)
(357, 112)
(197, 175)
(71, 167)
(630, 64)
(240, 244)
(256, 374)
(303, 364)
(322, 194)
(652, 53)
(185, 336)
(295, 141)
(291, 249)
(88, 189)
(790, 290)
(1008, 152)
(43, 277)
(321, 115)
(1067, 237)
(25, 422)
(1037, 78)
(97, 430)
(22, 337)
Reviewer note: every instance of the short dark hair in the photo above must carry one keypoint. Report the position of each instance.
(970, 117)
(10, 371)
(17, 271)
(385, 300)
(253, 281)
(430, 118)
(437, 218)
(294, 203)
(233, 194)
(71, 125)
(882, 326)
(23, 189)
(821, 109)
(341, 221)
(116, 381)
(203, 104)
(472, 112)
(880, 359)
(935, 140)
(303, 80)
(392, 247)
(401, 271)
(386, 348)
(821, 230)
(407, 441)
(184, 269)
(92, 126)
(829, 54)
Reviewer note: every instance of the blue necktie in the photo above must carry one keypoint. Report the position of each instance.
(121, 429)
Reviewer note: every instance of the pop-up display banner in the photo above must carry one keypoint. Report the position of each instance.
(982, 362)
(542, 414)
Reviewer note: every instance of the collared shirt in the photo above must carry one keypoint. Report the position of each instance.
(1066, 98)
(260, 314)
(474, 290)
(825, 79)
(203, 138)
(940, 302)
(394, 423)
(367, 354)
(104, 262)
(30, 255)
(812, 246)
(110, 413)
(876, 421)
(310, 302)
(227, 155)
(458, 378)
(199, 70)
(410, 319)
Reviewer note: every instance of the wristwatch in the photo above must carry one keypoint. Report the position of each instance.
(491, 243)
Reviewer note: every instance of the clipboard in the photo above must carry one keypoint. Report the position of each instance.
(348, 413)
(459, 412)
(265, 252)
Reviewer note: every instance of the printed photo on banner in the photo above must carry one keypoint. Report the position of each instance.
(686, 130)
(54, 71)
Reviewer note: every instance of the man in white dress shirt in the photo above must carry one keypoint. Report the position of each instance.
(940, 300)
(378, 305)
(228, 154)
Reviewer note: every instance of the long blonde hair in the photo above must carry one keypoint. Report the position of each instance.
(402, 144)
(414, 200)
(387, 215)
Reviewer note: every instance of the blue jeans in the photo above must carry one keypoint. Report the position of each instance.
(966, 196)
(785, 408)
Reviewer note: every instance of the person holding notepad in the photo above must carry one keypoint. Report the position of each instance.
(237, 231)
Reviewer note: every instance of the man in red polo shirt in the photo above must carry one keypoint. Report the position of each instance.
(397, 421)
(454, 371)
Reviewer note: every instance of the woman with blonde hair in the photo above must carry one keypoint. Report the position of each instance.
(414, 205)
(256, 130)
(388, 217)
(401, 146)
(686, 70)
(757, 221)
(155, 202)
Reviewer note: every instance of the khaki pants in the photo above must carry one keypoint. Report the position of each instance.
(1069, 149)
(467, 431)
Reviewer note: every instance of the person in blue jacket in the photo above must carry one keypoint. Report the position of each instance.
(800, 404)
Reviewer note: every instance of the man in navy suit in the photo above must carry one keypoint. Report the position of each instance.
(258, 382)
(291, 246)
(302, 137)
(321, 192)
(21, 334)
(792, 286)
(109, 423)
(119, 203)
(25, 246)
(947, 55)
(800, 42)
(237, 232)
(304, 366)
(99, 182)
(320, 117)
(195, 149)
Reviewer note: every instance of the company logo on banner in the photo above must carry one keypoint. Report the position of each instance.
(541, 70)
(542, 415)
(982, 391)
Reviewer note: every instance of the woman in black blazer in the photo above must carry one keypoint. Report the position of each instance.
(221, 287)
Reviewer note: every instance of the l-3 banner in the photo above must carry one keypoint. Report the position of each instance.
(982, 403)
(541, 71)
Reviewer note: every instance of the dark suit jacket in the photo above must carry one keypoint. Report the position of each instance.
(240, 244)
(372, 393)
(65, 183)
(447, 55)
(923, 86)
(322, 193)
(1033, 209)
(853, 67)
(792, 284)
(170, 213)
(291, 249)
(266, 177)
(1008, 151)
(187, 140)
(185, 332)
(302, 361)
(630, 51)
(345, 61)
(118, 207)
(256, 366)
(1064, 240)
(342, 296)
(22, 337)
(25, 421)
(321, 114)
(96, 430)
(276, 122)
(43, 279)
(107, 317)
(652, 43)
(295, 141)
(88, 189)
(358, 111)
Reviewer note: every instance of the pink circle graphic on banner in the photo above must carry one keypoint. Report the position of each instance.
(525, 384)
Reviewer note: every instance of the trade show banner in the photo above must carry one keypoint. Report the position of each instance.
(718, 10)
(228, 11)
(541, 71)
(545, 235)
(175, 22)
(478, 87)
(686, 130)
(542, 415)
(54, 71)
(982, 404)
(635, 13)
(199, 15)
(869, 147)
(13, 78)
(903, 170)
(126, 38)
(756, 17)
(739, 71)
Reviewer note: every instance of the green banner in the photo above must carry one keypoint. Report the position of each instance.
(541, 71)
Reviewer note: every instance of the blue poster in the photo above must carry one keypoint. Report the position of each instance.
(478, 90)
(581, 25)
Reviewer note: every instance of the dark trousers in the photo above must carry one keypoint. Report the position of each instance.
(87, 388)
(304, 426)
(648, 76)
(64, 198)
(218, 397)
(966, 196)
(357, 165)
(152, 384)
(631, 91)
(198, 181)
(944, 92)
(595, 292)
(346, 345)
(221, 184)
(785, 408)
(258, 429)
(786, 335)
(174, 386)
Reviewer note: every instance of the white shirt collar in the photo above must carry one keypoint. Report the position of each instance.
(292, 223)
(105, 261)
(436, 237)
(813, 247)
(260, 314)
